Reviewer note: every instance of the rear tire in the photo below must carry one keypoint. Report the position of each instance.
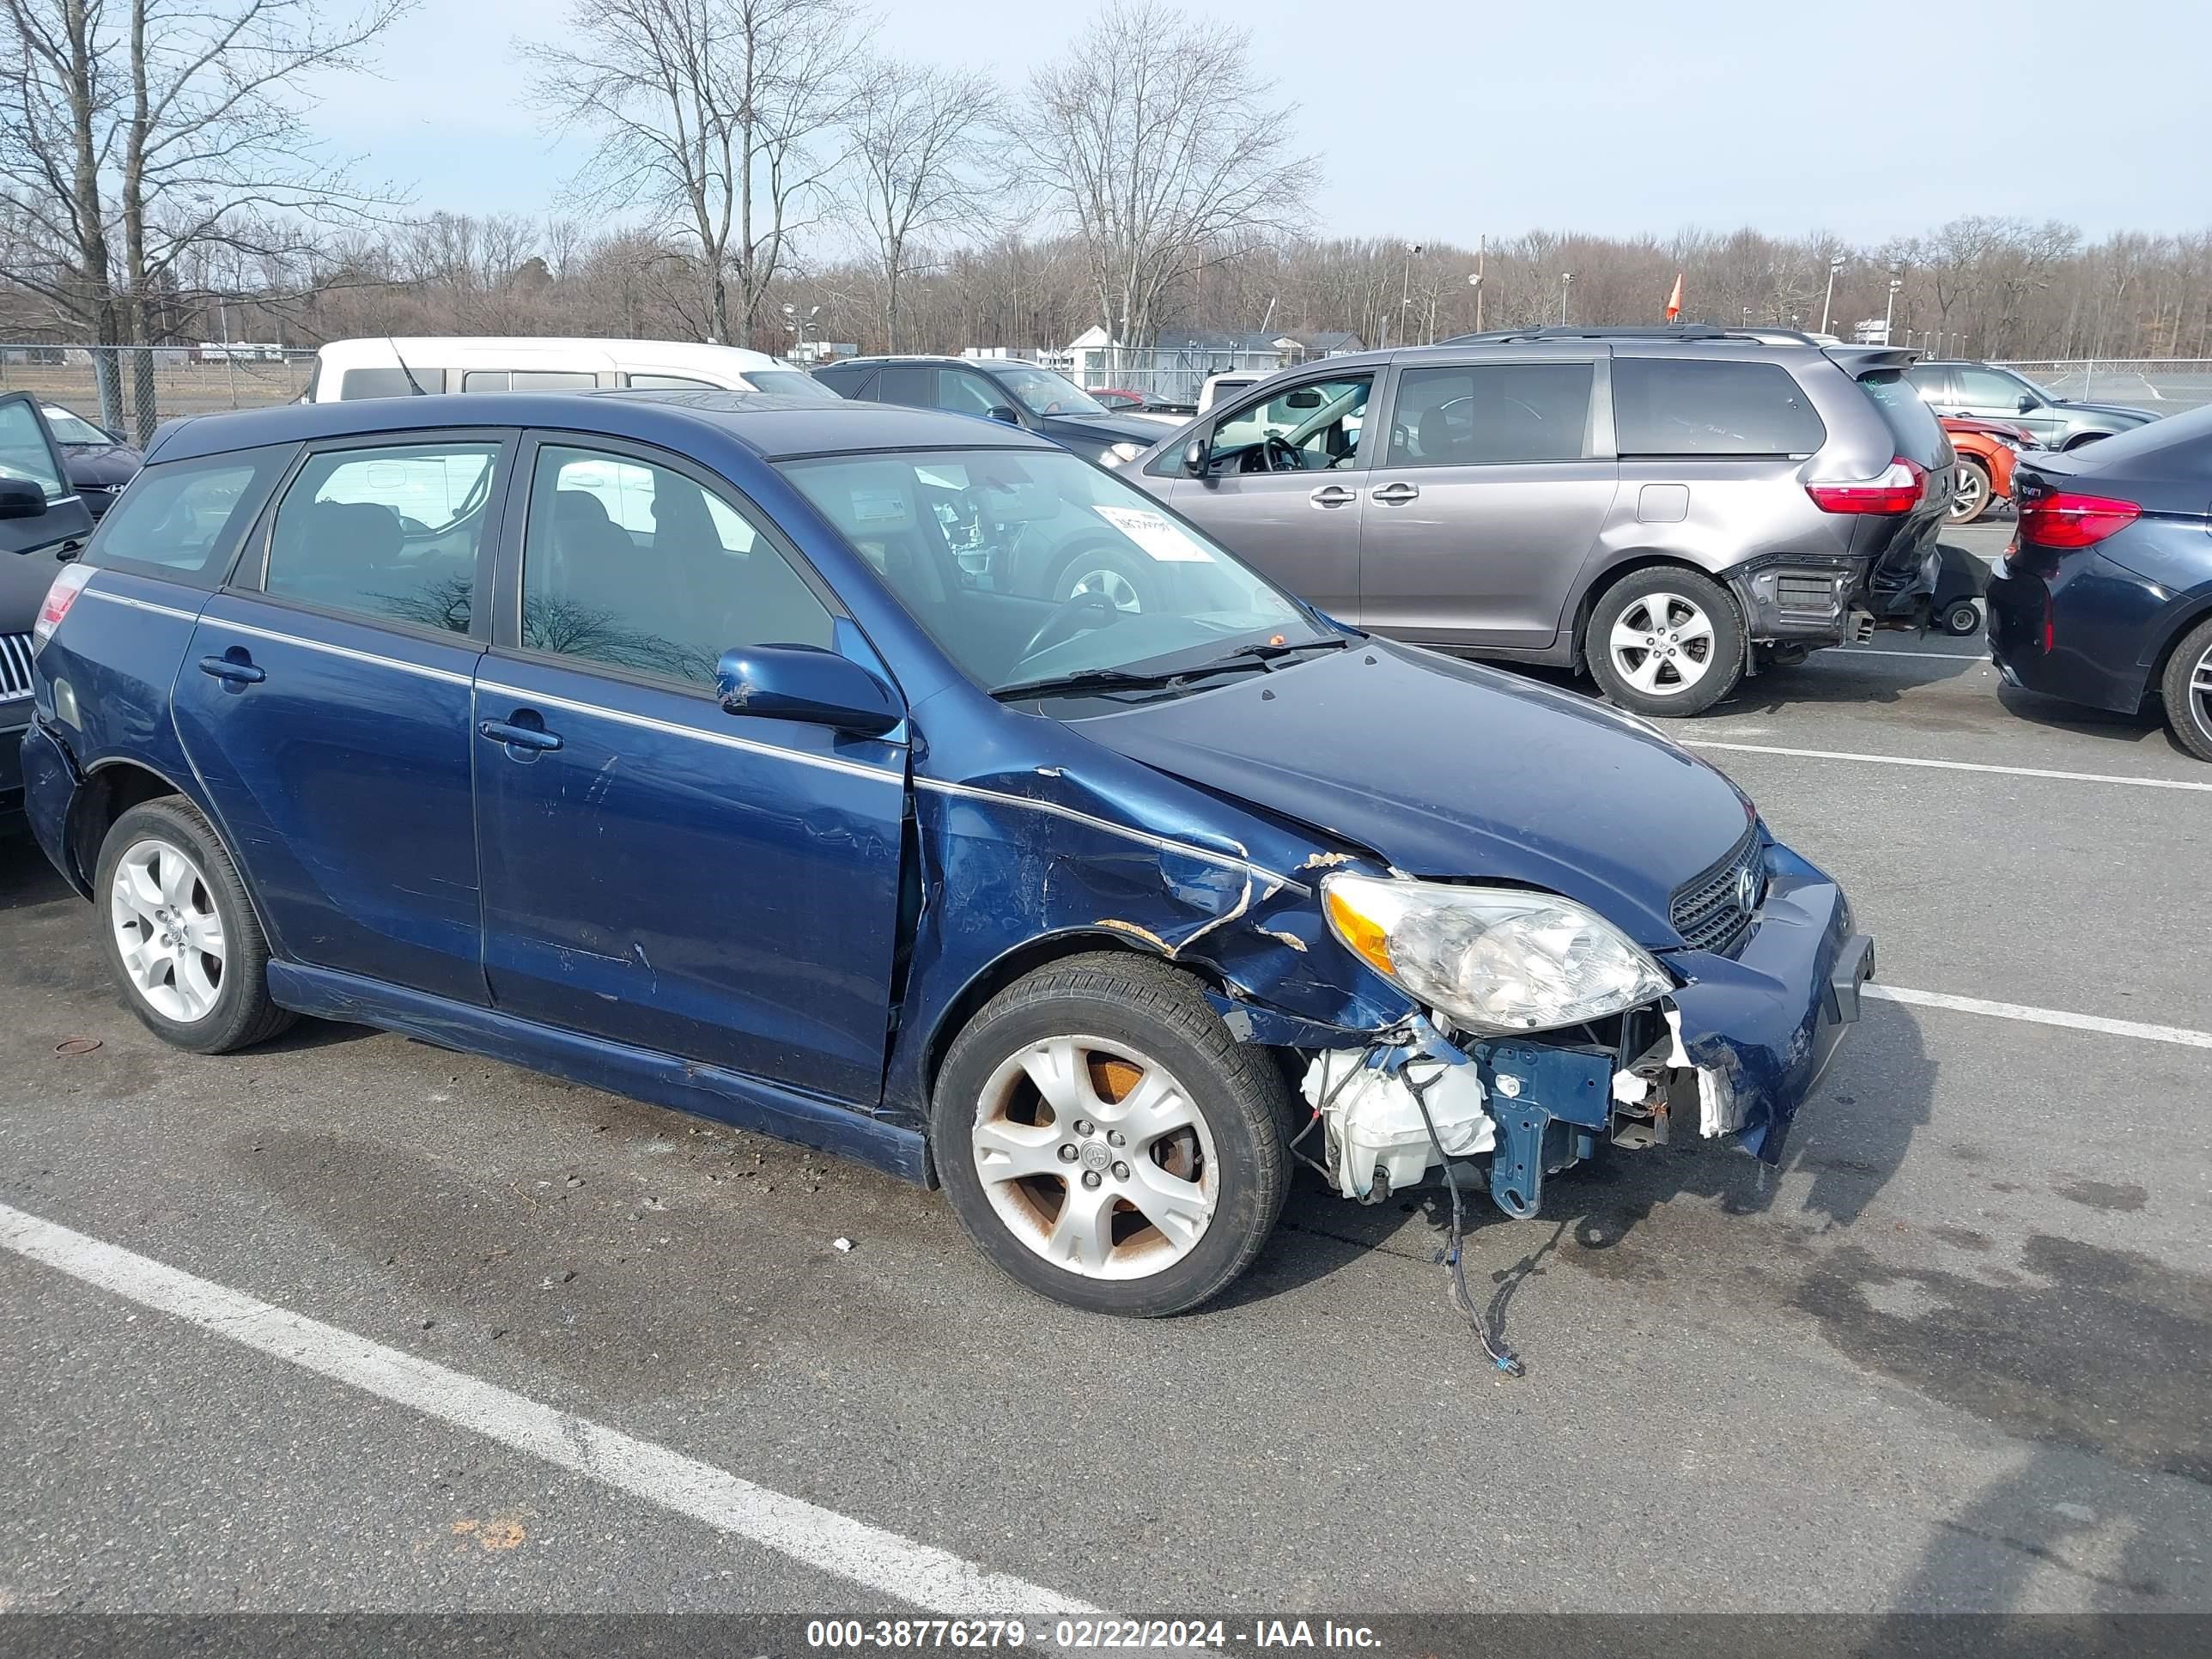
(1088, 1099)
(2186, 687)
(1971, 498)
(180, 933)
(1665, 642)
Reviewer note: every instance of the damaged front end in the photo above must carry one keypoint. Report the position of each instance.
(1727, 1051)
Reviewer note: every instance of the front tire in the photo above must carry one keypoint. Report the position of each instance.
(1971, 498)
(180, 933)
(1105, 1141)
(2186, 687)
(1665, 642)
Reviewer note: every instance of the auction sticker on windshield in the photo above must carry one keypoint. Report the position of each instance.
(1168, 543)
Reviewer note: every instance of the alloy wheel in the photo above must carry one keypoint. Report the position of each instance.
(1971, 495)
(167, 931)
(2200, 693)
(1113, 584)
(1095, 1157)
(1662, 644)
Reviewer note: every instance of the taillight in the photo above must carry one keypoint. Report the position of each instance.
(1897, 489)
(2066, 521)
(59, 598)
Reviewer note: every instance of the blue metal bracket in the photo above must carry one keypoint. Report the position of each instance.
(1549, 1105)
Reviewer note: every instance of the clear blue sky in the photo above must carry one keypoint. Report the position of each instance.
(1445, 118)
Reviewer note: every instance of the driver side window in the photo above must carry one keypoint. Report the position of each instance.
(1309, 428)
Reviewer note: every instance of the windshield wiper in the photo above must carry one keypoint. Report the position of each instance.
(1267, 651)
(1085, 679)
(1245, 657)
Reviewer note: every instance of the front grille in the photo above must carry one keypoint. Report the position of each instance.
(1814, 594)
(1709, 912)
(14, 666)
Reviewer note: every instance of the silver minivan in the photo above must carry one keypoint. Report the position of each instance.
(1668, 509)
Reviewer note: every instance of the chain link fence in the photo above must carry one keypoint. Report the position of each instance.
(2167, 385)
(130, 389)
(1166, 374)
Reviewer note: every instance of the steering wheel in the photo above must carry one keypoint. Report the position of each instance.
(1067, 620)
(1282, 455)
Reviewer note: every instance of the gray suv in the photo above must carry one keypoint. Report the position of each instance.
(1986, 392)
(1670, 509)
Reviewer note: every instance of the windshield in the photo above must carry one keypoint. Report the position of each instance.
(1031, 565)
(1043, 392)
(790, 383)
(69, 428)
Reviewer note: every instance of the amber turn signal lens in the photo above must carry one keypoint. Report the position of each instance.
(1366, 938)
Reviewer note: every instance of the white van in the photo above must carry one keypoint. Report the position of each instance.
(381, 368)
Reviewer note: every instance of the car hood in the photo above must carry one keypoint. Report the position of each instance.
(1101, 428)
(103, 466)
(1442, 768)
(2126, 410)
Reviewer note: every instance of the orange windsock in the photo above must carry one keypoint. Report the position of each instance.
(1674, 300)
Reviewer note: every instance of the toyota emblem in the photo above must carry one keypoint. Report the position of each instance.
(1747, 889)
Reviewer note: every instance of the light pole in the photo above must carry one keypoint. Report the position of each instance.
(1889, 310)
(1405, 290)
(1828, 298)
(1566, 283)
(1481, 250)
(799, 322)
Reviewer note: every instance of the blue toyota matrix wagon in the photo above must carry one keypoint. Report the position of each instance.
(696, 746)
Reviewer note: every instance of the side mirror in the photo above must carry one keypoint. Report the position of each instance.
(2027, 404)
(21, 499)
(807, 684)
(1194, 457)
(1000, 412)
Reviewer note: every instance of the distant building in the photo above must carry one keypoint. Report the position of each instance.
(1175, 366)
(1304, 347)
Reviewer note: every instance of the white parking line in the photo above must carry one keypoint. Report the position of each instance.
(1945, 765)
(2126, 1028)
(911, 1572)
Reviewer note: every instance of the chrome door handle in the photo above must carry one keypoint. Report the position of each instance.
(1334, 495)
(1394, 494)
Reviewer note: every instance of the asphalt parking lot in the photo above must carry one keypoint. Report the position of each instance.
(1950, 1358)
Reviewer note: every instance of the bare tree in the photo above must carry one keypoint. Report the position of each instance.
(923, 157)
(1157, 142)
(717, 114)
(176, 128)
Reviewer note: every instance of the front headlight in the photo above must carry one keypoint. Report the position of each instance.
(1496, 959)
(1120, 454)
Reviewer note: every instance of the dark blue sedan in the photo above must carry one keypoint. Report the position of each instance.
(2104, 596)
(692, 745)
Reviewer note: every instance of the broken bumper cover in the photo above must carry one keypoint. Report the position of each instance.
(1762, 1026)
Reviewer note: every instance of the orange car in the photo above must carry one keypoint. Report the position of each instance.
(1986, 450)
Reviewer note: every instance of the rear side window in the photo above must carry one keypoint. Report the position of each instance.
(1490, 414)
(848, 380)
(390, 534)
(387, 382)
(911, 384)
(1919, 435)
(180, 520)
(1684, 406)
(528, 379)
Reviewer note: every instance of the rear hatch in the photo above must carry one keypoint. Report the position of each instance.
(1903, 545)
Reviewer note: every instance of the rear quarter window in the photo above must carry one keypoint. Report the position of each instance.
(182, 520)
(1686, 406)
(1919, 435)
(388, 382)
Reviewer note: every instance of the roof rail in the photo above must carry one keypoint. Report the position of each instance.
(1689, 332)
